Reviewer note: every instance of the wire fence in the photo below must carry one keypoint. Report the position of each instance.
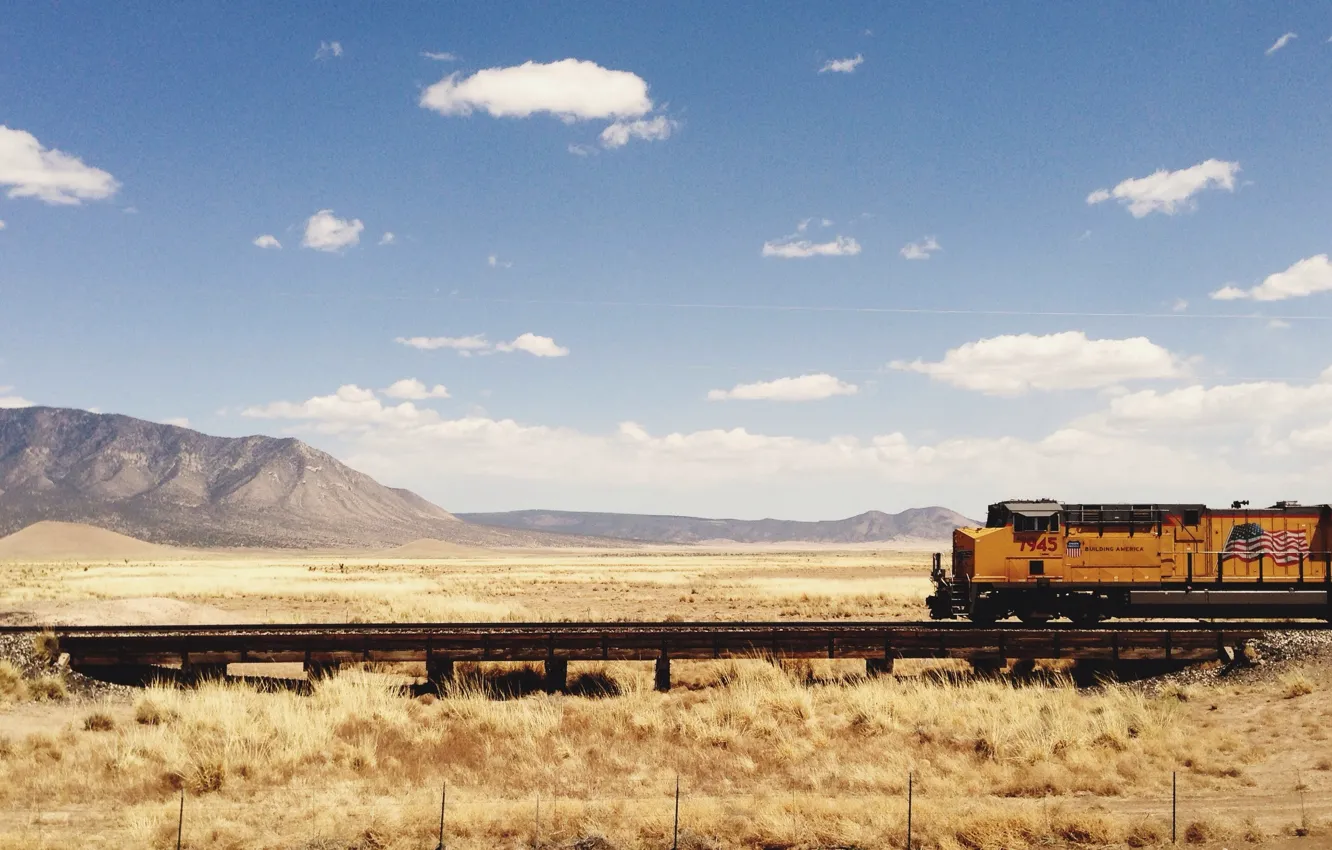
(903, 820)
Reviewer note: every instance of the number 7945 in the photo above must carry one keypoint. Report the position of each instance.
(1047, 545)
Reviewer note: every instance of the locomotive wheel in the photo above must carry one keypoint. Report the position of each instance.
(983, 613)
(1033, 619)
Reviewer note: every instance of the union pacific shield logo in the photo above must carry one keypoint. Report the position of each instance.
(1073, 549)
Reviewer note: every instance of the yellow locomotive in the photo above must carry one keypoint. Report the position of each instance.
(1039, 560)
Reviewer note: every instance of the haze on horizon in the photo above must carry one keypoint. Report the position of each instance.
(699, 260)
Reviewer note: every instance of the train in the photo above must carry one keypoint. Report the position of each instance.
(1040, 560)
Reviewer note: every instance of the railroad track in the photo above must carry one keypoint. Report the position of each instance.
(206, 650)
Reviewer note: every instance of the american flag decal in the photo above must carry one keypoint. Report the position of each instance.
(1073, 549)
(1250, 540)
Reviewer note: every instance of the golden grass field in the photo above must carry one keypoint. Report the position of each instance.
(798, 755)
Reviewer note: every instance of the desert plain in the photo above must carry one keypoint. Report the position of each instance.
(767, 755)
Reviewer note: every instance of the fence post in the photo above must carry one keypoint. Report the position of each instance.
(1174, 801)
(675, 830)
(908, 834)
(443, 800)
(180, 824)
(536, 832)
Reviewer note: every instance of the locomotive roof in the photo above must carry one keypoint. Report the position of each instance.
(1045, 507)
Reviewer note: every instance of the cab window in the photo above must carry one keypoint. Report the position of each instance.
(1035, 523)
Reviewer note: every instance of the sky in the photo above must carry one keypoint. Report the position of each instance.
(716, 259)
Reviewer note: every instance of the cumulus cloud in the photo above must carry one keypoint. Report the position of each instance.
(802, 388)
(33, 171)
(442, 56)
(329, 50)
(618, 134)
(388, 238)
(178, 421)
(1306, 277)
(414, 390)
(2, 224)
(539, 346)
(8, 401)
(571, 89)
(795, 246)
(842, 66)
(496, 263)
(1169, 192)
(1222, 405)
(1280, 43)
(267, 241)
(403, 441)
(326, 232)
(1015, 364)
(921, 249)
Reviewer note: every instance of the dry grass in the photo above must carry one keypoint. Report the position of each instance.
(48, 688)
(1296, 684)
(13, 688)
(763, 755)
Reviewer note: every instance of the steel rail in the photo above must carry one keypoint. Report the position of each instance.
(668, 627)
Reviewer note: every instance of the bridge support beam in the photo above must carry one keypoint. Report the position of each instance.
(662, 678)
(317, 670)
(197, 673)
(439, 671)
(557, 675)
(875, 667)
(986, 665)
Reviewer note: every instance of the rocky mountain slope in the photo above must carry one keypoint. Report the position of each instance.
(932, 523)
(167, 484)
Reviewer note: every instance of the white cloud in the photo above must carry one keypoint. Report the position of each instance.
(52, 176)
(178, 421)
(457, 343)
(439, 57)
(414, 390)
(326, 232)
(1012, 365)
(619, 133)
(388, 238)
(571, 89)
(1222, 405)
(802, 388)
(582, 150)
(922, 249)
(1169, 192)
(794, 247)
(2, 224)
(540, 346)
(328, 50)
(496, 263)
(1306, 277)
(1277, 324)
(1179, 306)
(349, 405)
(12, 401)
(1280, 43)
(842, 66)
(267, 241)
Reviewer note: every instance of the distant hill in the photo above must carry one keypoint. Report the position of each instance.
(873, 526)
(59, 541)
(165, 484)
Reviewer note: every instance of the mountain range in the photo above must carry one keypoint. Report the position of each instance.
(933, 523)
(168, 484)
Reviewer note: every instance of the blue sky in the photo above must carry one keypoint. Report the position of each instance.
(625, 170)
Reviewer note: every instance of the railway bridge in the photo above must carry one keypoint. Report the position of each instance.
(121, 652)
